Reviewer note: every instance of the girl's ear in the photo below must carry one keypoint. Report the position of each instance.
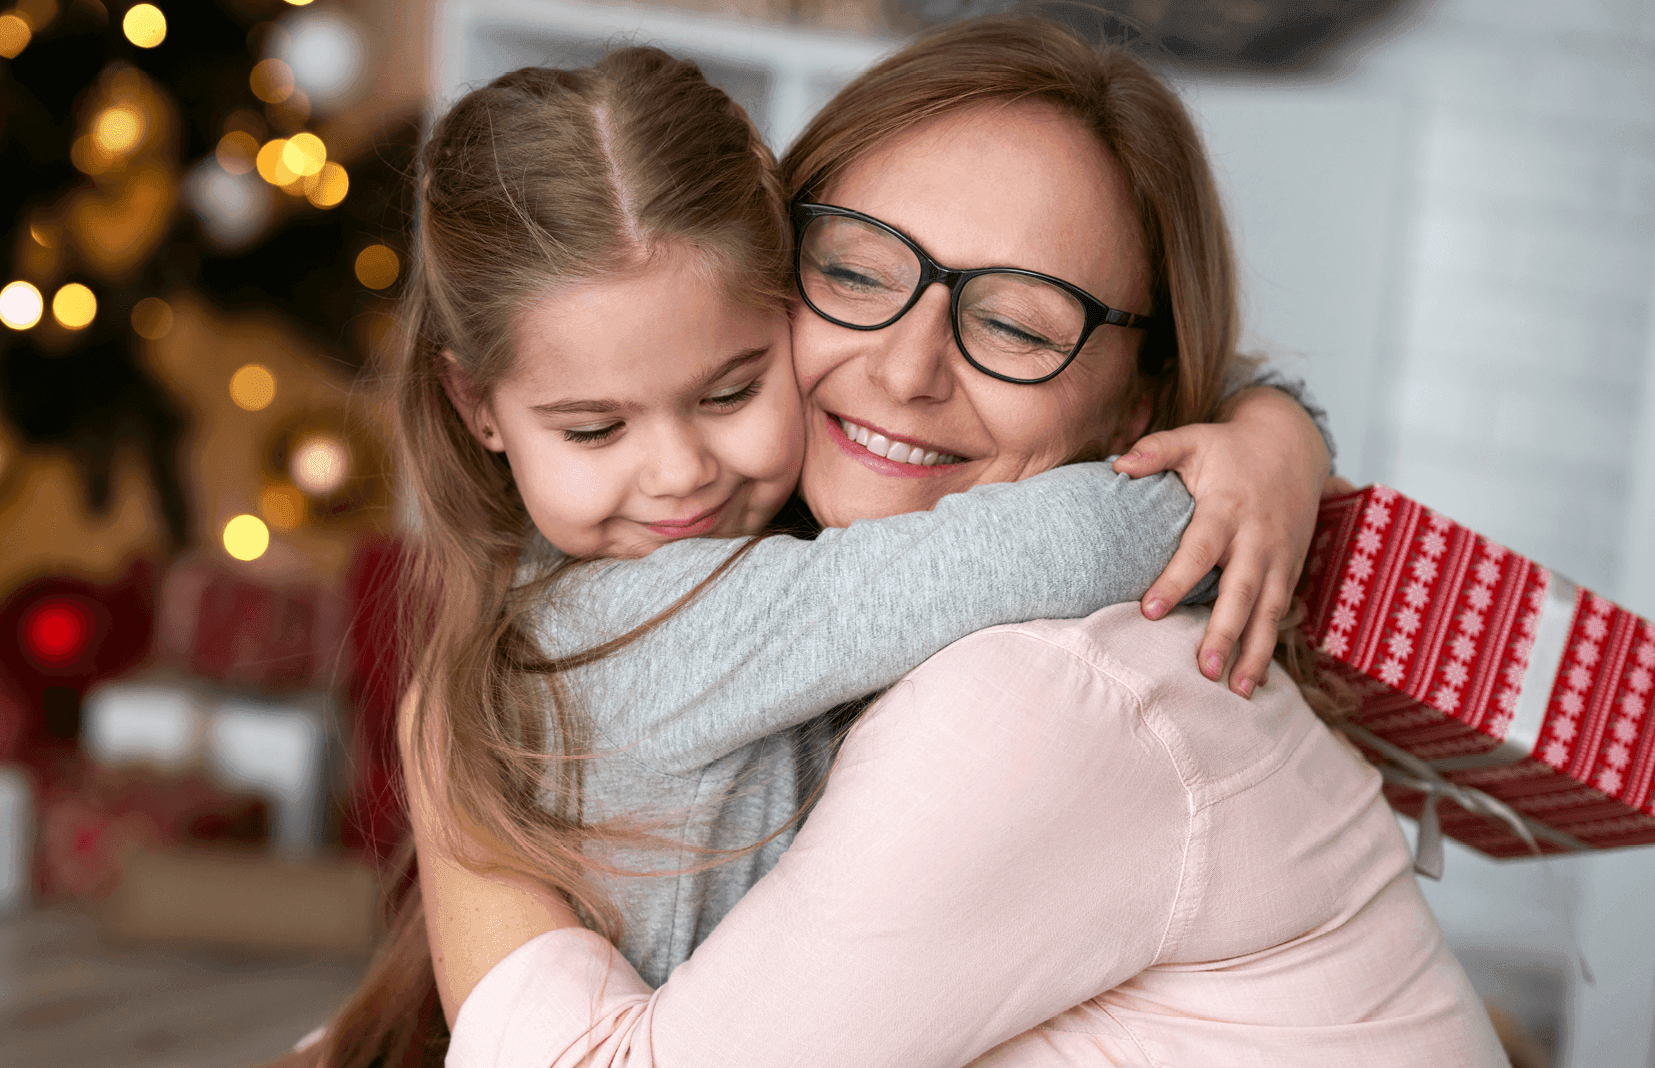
(474, 410)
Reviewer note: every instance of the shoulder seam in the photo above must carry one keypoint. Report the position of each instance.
(1191, 808)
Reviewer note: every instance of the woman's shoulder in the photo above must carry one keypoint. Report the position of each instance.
(1122, 665)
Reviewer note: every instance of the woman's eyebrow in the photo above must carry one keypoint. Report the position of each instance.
(609, 407)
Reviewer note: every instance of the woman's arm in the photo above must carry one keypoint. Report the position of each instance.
(798, 627)
(1257, 478)
(1002, 838)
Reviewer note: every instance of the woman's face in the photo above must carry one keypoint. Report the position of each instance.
(999, 185)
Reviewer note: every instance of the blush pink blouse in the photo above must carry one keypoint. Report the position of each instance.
(1051, 844)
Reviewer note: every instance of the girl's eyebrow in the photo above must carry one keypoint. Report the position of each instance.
(607, 407)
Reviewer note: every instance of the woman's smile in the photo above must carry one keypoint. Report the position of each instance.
(890, 453)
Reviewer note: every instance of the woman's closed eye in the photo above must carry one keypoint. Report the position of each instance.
(1006, 330)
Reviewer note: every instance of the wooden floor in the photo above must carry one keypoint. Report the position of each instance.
(67, 1000)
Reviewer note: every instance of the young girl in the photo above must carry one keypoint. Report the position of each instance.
(629, 712)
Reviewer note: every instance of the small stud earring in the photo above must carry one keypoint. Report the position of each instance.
(488, 432)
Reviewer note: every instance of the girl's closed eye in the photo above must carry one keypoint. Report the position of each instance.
(591, 435)
(734, 398)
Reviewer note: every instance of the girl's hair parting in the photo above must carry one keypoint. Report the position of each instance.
(540, 180)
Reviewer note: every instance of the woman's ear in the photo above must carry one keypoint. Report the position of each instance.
(1133, 423)
(474, 409)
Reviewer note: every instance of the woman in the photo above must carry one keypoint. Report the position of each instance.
(1052, 843)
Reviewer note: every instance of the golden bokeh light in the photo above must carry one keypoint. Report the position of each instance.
(271, 167)
(14, 35)
(298, 3)
(320, 464)
(21, 305)
(246, 537)
(253, 387)
(118, 130)
(85, 156)
(144, 25)
(236, 151)
(44, 235)
(305, 154)
(283, 507)
(152, 318)
(331, 186)
(272, 164)
(271, 81)
(37, 13)
(377, 266)
(74, 306)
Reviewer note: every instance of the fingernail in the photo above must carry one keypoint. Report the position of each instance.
(1133, 455)
(1154, 607)
(1245, 688)
(1215, 666)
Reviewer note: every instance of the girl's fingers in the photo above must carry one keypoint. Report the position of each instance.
(1238, 591)
(1258, 643)
(1198, 551)
(1163, 450)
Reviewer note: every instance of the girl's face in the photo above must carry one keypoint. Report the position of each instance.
(643, 409)
(1001, 185)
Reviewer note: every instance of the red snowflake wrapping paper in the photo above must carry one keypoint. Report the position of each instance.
(1502, 675)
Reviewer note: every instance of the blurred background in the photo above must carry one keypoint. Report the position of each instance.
(1447, 213)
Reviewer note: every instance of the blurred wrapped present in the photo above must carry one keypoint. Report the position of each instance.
(92, 819)
(1498, 697)
(221, 625)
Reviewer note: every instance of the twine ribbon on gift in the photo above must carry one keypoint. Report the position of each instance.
(1402, 768)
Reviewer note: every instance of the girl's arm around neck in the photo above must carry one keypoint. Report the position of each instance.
(798, 627)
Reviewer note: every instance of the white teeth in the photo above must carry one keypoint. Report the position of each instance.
(894, 450)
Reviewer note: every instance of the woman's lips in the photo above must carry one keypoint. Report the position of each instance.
(840, 430)
(693, 526)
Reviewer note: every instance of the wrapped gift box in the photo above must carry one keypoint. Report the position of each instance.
(1500, 675)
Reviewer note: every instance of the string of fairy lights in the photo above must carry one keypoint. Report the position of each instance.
(125, 225)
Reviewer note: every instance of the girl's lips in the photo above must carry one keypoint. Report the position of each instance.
(691, 527)
(880, 463)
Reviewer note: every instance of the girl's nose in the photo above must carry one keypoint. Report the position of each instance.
(913, 359)
(677, 463)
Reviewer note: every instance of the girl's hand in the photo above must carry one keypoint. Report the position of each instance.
(1256, 480)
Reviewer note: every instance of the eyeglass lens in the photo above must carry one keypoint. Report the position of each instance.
(1011, 324)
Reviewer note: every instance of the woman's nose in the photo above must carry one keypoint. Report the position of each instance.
(915, 356)
(677, 462)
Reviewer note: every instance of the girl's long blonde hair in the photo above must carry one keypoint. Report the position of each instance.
(539, 180)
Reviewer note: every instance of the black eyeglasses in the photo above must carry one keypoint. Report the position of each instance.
(1011, 324)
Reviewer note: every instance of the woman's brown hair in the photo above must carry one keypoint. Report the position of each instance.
(539, 180)
(1133, 113)
(1189, 359)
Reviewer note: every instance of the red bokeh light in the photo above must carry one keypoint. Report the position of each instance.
(56, 631)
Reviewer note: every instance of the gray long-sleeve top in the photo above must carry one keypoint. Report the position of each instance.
(712, 725)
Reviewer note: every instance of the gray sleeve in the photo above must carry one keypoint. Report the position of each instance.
(798, 627)
(1245, 375)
